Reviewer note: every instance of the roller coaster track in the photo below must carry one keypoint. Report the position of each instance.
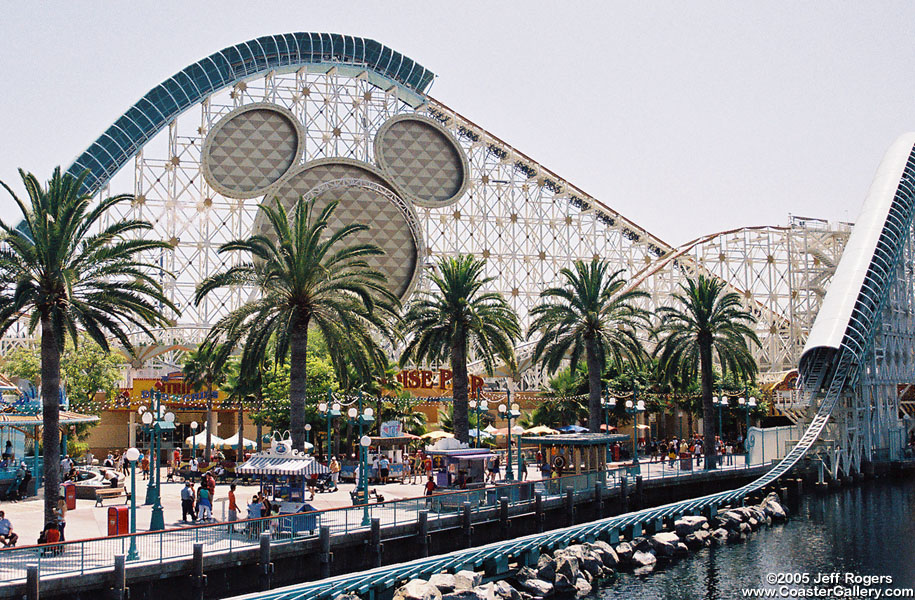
(833, 367)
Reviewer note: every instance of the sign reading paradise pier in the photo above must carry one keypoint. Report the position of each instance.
(431, 384)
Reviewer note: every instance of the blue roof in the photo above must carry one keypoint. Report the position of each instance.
(163, 103)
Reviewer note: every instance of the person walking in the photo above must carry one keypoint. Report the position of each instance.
(383, 469)
(233, 507)
(204, 507)
(522, 467)
(428, 489)
(187, 502)
(61, 513)
(334, 470)
(144, 465)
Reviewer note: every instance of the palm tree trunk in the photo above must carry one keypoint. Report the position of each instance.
(50, 415)
(259, 427)
(240, 453)
(206, 451)
(594, 369)
(459, 389)
(298, 381)
(708, 409)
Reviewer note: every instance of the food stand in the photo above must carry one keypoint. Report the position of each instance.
(459, 468)
(284, 473)
(575, 453)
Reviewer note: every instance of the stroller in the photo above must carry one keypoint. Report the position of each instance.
(325, 483)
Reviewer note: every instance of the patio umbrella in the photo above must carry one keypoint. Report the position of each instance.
(607, 429)
(540, 430)
(573, 429)
(490, 429)
(436, 435)
(480, 434)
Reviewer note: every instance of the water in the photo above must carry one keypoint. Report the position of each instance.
(866, 530)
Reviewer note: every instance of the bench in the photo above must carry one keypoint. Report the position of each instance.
(105, 493)
(358, 496)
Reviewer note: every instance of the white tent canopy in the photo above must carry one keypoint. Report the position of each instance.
(232, 442)
(200, 440)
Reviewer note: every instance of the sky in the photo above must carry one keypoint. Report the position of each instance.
(686, 117)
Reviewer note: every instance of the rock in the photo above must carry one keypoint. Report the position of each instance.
(774, 509)
(467, 579)
(624, 552)
(681, 549)
(643, 561)
(566, 565)
(641, 543)
(564, 587)
(471, 594)
(692, 541)
(665, 544)
(720, 535)
(703, 536)
(537, 588)
(444, 582)
(500, 590)
(526, 573)
(582, 587)
(588, 560)
(731, 519)
(546, 568)
(733, 535)
(689, 524)
(607, 554)
(753, 522)
(417, 589)
(745, 529)
(347, 596)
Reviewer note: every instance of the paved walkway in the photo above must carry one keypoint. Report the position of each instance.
(87, 522)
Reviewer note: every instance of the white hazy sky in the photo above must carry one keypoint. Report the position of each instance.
(687, 117)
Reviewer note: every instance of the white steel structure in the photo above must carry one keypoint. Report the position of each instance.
(325, 114)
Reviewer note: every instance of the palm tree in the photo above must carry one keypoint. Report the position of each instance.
(456, 320)
(705, 321)
(588, 315)
(204, 371)
(305, 276)
(67, 271)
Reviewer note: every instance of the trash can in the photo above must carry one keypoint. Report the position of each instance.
(68, 493)
(118, 520)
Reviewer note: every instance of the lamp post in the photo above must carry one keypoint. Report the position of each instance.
(634, 409)
(479, 406)
(363, 417)
(194, 439)
(609, 405)
(331, 411)
(747, 405)
(721, 402)
(509, 412)
(307, 433)
(156, 421)
(133, 455)
(364, 443)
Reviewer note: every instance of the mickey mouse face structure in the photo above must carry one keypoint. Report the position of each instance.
(256, 149)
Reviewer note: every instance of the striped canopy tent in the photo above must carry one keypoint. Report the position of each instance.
(276, 465)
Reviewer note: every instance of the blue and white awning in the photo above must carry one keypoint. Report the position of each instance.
(271, 465)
